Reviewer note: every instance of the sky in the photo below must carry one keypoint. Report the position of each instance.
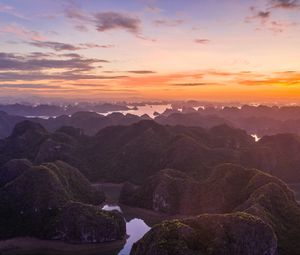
(220, 50)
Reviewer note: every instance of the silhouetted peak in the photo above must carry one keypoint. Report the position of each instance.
(130, 115)
(27, 126)
(145, 117)
(116, 115)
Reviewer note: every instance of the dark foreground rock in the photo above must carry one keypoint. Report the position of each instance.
(165, 192)
(53, 201)
(81, 223)
(230, 188)
(230, 234)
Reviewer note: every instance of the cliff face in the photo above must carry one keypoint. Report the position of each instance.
(230, 234)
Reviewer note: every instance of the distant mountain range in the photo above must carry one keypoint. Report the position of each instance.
(57, 110)
(261, 121)
(135, 152)
(89, 122)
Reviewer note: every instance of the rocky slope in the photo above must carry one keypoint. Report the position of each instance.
(230, 234)
(53, 201)
(230, 188)
(82, 223)
(136, 152)
(39, 198)
(32, 141)
(133, 153)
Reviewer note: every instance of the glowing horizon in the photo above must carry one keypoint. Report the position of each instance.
(147, 49)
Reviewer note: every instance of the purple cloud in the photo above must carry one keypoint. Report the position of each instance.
(265, 20)
(58, 46)
(285, 4)
(141, 72)
(10, 61)
(103, 21)
(113, 20)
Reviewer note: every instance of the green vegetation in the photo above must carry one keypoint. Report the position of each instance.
(54, 201)
(251, 194)
(209, 234)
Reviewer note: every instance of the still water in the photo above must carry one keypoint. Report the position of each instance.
(138, 223)
(135, 228)
(256, 137)
(139, 111)
(146, 109)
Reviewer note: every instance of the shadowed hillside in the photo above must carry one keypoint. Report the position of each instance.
(135, 152)
(229, 189)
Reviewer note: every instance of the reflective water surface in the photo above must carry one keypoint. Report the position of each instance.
(146, 109)
(135, 229)
(138, 223)
(256, 137)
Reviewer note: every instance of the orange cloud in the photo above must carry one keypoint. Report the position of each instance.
(207, 85)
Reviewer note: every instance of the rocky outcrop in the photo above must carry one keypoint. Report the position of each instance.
(134, 153)
(54, 201)
(24, 142)
(164, 192)
(81, 223)
(230, 188)
(30, 140)
(230, 234)
(22, 177)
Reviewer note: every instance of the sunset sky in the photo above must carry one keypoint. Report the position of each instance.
(141, 50)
